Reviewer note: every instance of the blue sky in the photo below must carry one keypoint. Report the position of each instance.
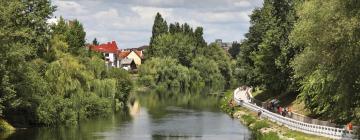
(129, 22)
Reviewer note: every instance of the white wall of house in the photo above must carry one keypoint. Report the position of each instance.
(110, 57)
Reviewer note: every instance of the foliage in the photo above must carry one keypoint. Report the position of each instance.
(5, 126)
(187, 47)
(219, 55)
(75, 36)
(328, 66)
(95, 42)
(260, 124)
(166, 74)
(160, 27)
(210, 73)
(309, 47)
(47, 76)
(178, 45)
(23, 36)
(267, 136)
(123, 83)
(248, 119)
(265, 55)
(234, 50)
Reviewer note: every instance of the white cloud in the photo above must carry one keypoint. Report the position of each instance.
(129, 22)
(70, 6)
(242, 3)
(149, 12)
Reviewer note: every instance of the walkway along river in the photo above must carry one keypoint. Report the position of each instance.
(151, 118)
(243, 98)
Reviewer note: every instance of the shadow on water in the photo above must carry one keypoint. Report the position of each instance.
(150, 116)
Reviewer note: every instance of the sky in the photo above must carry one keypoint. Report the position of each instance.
(129, 22)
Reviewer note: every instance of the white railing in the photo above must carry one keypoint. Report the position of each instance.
(320, 130)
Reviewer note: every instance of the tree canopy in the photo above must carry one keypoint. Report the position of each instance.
(46, 78)
(207, 65)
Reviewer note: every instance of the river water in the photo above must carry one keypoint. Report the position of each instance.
(150, 118)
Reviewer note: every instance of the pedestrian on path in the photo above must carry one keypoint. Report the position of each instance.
(349, 126)
(280, 110)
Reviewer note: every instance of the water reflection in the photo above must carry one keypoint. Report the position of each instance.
(151, 117)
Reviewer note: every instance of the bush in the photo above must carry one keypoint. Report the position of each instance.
(96, 106)
(267, 136)
(248, 119)
(54, 110)
(5, 126)
(260, 124)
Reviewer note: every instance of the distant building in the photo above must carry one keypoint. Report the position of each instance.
(110, 51)
(224, 45)
(127, 59)
(135, 55)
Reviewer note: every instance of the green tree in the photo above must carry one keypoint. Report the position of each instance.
(219, 55)
(210, 73)
(179, 46)
(95, 42)
(75, 36)
(234, 50)
(23, 36)
(166, 74)
(264, 59)
(123, 83)
(200, 41)
(328, 66)
(160, 27)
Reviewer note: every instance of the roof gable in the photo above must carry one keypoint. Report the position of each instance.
(124, 54)
(109, 47)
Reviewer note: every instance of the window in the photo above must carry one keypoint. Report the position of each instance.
(106, 55)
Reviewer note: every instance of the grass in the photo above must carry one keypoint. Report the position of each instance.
(302, 136)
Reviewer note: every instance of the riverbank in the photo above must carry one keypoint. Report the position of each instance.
(262, 129)
(6, 129)
(5, 126)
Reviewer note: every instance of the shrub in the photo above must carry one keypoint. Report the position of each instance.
(248, 119)
(260, 124)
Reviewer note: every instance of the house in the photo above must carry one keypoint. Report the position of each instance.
(110, 51)
(128, 64)
(128, 59)
(136, 55)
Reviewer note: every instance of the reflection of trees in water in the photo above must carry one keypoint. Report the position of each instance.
(134, 107)
(83, 131)
(157, 103)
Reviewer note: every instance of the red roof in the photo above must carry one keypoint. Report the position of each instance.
(124, 54)
(109, 47)
(139, 53)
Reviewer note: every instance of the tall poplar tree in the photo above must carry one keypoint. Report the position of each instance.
(160, 27)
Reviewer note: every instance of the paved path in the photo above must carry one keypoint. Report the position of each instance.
(243, 94)
(243, 97)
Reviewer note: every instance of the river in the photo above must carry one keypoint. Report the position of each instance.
(150, 118)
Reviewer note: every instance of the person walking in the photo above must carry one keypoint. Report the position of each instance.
(280, 110)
